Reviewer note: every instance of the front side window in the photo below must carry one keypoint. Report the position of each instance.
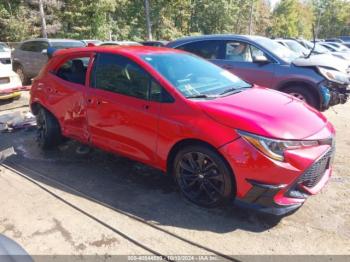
(74, 70)
(207, 49)
(238, 52)
(120, 75)
(242, 52)
(195, 77)
(40, 46)
(28, 46)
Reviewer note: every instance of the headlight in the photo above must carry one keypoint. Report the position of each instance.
(275, 148)
(334, 75)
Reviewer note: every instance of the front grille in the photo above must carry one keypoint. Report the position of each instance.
(5, 61)
(314, 174)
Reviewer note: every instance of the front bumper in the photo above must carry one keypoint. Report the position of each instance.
(277, 187)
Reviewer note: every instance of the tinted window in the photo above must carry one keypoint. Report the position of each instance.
(40, 46)
(34, 46)
(28, 46)
(63, 45)
(159, 94)
(205, 49)
(120, 75)
(74, 70)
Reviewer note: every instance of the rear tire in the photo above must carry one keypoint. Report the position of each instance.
(49, 131)
(303, 94)
(203, 177)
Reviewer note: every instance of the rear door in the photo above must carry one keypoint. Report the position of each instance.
(65, 88)
(121, 116)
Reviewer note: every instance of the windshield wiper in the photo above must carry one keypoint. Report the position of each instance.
(201, 96)
(233, 90)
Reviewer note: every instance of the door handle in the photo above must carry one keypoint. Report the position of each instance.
(89, 100)
(40, 86)
(228, 67)
(146, 107)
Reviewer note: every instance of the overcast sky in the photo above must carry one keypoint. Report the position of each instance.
(273, 3)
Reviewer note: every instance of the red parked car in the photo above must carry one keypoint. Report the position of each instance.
(220, 137)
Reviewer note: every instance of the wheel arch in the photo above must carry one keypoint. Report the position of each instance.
(16, 64)
(190, 142)
(309, 86)
(36, 106)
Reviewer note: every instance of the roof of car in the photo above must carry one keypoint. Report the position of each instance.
(130, 50)
(214, 37)
(52, 40)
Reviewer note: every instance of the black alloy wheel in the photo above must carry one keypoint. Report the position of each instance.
(203, 177)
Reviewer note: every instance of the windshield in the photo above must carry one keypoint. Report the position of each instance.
(194, 76)
(279, 50)
(296, 47)
(341, 47)
(318, 47)
(3, 49)
(63, 45)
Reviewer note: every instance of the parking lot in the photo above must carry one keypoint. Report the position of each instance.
(70, 201)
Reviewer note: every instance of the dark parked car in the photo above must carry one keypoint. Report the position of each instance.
(154, 43)
(320, 80)
(31, 55)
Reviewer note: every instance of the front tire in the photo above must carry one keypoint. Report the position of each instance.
(49, 132)
(303, 94)
(203, 177)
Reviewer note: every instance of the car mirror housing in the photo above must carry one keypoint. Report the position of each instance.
(261, 59)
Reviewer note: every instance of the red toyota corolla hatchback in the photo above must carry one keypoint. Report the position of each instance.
(218, 136)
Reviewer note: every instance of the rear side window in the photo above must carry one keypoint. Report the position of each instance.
(74, 70)
(207, 49)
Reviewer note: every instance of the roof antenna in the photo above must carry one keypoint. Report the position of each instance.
(313, 35)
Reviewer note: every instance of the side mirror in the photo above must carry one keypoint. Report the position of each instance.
(260, 59)
(50, 51)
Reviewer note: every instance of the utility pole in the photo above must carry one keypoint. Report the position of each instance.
(318, 22)
(251, 17)
(148, 20)
(43, 21)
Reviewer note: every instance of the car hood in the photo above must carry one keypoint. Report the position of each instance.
(324, 60)
(6, 71)
(5, 54)
(265, 112)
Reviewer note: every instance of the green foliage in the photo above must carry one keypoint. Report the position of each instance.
(125, 19)
(292, 18)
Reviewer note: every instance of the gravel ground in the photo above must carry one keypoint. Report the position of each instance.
(47, 224)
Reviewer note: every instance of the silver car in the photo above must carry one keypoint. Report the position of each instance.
(30, 56)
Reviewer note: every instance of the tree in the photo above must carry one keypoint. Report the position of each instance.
(292, 18)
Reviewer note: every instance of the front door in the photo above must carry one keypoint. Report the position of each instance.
(121, 117)
(239, 58)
